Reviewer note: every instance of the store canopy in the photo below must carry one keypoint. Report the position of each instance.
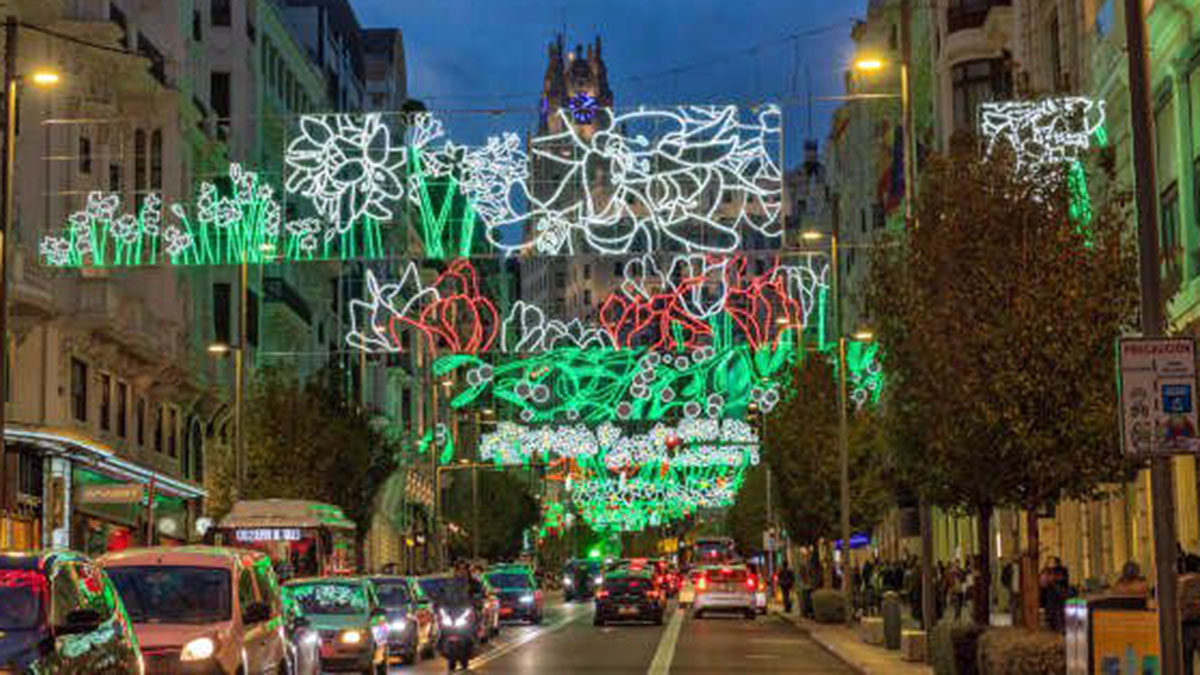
(101, 458)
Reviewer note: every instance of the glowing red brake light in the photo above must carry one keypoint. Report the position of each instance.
(601, 593)
(751, 583)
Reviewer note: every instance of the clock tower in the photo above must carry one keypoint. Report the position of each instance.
(576, 82)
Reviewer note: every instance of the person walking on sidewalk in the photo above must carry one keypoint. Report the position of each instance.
(787, 579)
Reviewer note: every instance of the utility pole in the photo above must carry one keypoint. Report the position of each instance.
(10, 114)
(1161, 479)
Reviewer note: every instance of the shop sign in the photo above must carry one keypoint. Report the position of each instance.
(267, 534)
(111, 493)
(1158, 399)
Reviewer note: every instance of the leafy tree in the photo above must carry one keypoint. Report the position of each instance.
(997, 314)
(309, 441)
(746, 520)
(801, 448)
(506, 511)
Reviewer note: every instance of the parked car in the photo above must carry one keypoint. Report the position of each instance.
(726, 589)
(450, 590)
(518, 593)
(412, 627)
(630, 594)
(351, 625)
(59, 613)
(580, 578)
(202, 608)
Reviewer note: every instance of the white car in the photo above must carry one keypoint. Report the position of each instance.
(687, 587)
(726, 589)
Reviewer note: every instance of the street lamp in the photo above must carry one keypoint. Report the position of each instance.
(239, 458)
(43, 78)
(869, 65)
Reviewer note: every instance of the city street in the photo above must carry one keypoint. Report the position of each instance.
(569, 643)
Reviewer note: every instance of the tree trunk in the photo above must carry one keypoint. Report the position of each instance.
(826, 564)
(1030, 595)
(981, 606)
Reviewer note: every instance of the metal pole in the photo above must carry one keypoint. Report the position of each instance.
(239, 368)
(1161, 479)
(436, 534)
(9, 150)
(844, 471)
(474, 511)
(770, 554)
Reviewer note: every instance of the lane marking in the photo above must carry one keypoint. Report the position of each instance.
(661, 665)
(507, 647)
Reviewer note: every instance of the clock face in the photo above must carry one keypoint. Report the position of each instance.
(583, 108)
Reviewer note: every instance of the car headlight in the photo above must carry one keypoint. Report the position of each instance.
(598, 580)
(351, 637)
(527, 599)
(398, 625)
(310, 638)
(198, 650)
(567, 581)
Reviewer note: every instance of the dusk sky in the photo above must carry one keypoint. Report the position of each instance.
(491, 54)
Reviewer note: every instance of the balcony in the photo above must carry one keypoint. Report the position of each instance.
(967, 14)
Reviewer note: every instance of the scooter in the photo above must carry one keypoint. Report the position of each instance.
(456, 634)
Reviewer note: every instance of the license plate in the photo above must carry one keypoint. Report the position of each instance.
(326, 650)
(626, 611)
(506, 610)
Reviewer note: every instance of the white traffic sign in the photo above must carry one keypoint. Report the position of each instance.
(1158, 395)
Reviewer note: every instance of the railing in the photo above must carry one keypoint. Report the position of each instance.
(971, 13)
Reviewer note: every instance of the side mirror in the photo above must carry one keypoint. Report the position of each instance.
(256, 612)
(79, 621)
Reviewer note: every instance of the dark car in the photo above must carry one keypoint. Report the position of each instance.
(520, 598)
(580, 578)
(412, 629)
(630, 594)
(59, 613)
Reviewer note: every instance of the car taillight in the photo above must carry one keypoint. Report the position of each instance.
(602, 593)
(751, 583)
(762, 584)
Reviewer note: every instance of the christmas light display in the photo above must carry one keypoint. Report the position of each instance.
(242, 225)
(864, 373)
(662, 311)
(1046, 132)
(629, 482)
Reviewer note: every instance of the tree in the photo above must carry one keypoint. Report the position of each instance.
(998, 314)
(746, 520)
(506, 511)
(309, 441)
(801, 448)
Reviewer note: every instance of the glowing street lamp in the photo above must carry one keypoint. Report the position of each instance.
(868, 64)
(44, 78)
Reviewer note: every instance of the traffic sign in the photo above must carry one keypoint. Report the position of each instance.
(1157, 383)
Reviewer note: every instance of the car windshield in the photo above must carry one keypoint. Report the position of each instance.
(509, 580)
(393, 594)
(627, 583)
(446, 590)
(21, 593)
(329, 598)
(734, 576)
(166, 594)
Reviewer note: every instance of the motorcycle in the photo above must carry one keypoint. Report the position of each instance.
(457, 633)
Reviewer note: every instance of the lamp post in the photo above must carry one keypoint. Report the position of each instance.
(239, 457)
(41, 78)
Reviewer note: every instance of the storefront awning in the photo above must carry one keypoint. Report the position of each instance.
(100, 457)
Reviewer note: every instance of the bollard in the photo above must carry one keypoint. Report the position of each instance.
(892, 623)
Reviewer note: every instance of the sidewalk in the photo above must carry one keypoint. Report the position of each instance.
(844, 643)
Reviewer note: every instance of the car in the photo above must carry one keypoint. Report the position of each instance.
(60, 613)
(443, 588)
(725, 589)
(351, 625)
(520, 598)
(412, 627)
(687, 585)
(580, 578)
(629, 594)
(201, 609)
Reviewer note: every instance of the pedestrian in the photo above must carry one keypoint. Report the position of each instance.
(1131, 583)
(787, 580)
(1055, 583)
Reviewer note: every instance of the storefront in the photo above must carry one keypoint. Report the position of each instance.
(96, 502)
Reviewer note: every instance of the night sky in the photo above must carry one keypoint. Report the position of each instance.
(471, 58)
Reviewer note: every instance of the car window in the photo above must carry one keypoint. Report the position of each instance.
(245, 589)
(173, 594)
(329, 598)
(509, 580)
(94, 593)
(65, 592)
(22, 594)
(268, 584)
(393, 594)
(734, 576)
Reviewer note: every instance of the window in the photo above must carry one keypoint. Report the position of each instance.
(79, 392)
(122, 409)
(862, 220)
(587, 271)
(158, 428)
(1168, 238)
(156, 159)
(1055, 49)
(617, 267)
(218, 94)
(139, 169)
(587, 297)
(85, 154)
(114, 177)
(140, 421)
(105, 402)
(172, 432)
(197, 26)
(221, 300)
(976, 82)
(221, 12)
(252, 318)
